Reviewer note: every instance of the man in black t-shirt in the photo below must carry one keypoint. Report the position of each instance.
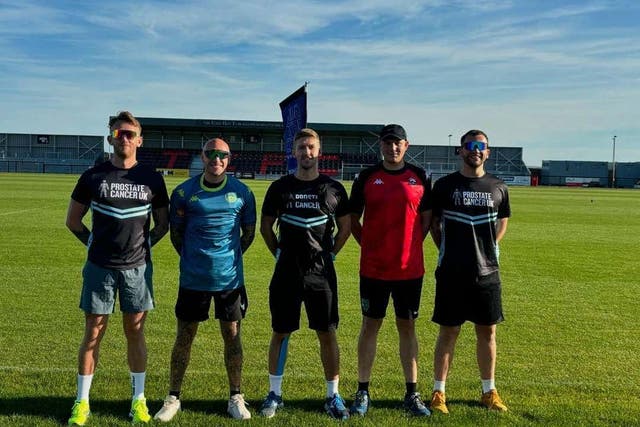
(470, 214)
(308, 207)
(123, 196)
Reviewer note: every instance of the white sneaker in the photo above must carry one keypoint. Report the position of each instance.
(170, 407)
(237, 407)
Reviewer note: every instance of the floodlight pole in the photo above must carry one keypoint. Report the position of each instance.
(449, 151)
(613, 172)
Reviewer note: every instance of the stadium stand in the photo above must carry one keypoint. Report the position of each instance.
(49, 153)
(173, 145)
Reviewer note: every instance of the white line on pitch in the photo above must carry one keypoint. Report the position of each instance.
(17, 212)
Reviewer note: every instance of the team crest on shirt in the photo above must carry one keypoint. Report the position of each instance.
(412, 181)
(231, 197)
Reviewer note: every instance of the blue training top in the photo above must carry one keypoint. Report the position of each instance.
(211, 258)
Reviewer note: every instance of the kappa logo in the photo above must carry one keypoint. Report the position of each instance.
(378, 181)
(194, 198)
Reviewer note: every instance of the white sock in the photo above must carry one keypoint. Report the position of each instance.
(275, 384)
(439, 385)
(488, 385)
(332, 387)
(137, 384)
(84, 385)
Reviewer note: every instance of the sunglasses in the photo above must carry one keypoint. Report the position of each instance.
(122, 133)
(216, 154)
(475, 145)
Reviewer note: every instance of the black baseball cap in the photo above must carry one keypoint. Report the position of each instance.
(394, 131)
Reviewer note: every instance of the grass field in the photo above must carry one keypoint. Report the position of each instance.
(568, 353)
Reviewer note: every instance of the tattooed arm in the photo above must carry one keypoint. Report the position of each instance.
(248, 234)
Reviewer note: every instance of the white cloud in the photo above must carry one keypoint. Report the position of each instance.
(530, 74)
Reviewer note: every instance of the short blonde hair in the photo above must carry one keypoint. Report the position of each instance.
(127, 117)
(306, 133)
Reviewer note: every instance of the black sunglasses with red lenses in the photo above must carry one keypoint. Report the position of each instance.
(123, 133)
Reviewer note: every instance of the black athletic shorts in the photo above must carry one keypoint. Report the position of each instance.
(193, 306)
(374, 297)
(460, 298)
(315, 285)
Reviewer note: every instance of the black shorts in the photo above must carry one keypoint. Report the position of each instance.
(316, 286)
(193, 306)
(374, 297)
(459, 298)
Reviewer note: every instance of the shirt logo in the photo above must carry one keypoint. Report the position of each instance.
(231, 197)
(412, 181)
(457, 197)
(378, 181)
(472, 198)
(194, 198)
(104, 188)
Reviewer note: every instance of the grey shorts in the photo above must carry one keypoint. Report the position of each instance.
(101, 285)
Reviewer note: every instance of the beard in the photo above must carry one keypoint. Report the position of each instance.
(307, 164)
(473, 161)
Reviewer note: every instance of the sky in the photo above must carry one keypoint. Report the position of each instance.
(558, 78)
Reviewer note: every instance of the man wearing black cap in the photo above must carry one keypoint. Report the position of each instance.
(395, 197)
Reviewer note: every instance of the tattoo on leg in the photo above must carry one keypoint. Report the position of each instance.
(182, 352)
(233, 356)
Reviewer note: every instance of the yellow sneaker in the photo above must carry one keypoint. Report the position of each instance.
(139, 411)
(79, 413)
(438, 402)
(492, 401)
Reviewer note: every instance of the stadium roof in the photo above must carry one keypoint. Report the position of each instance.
(254, 125)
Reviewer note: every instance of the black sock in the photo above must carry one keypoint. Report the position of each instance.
(233, 392)
(411, 388)
(175, 393)
(363, 386)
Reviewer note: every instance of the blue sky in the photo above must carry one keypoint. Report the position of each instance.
(556, 78)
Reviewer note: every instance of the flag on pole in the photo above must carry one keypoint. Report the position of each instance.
(294, 118)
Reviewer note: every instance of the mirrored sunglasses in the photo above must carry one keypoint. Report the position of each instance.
(216, 154)
(121, 133)
(475, 145)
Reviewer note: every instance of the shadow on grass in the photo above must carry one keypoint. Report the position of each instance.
(464, 402)
(59, 408)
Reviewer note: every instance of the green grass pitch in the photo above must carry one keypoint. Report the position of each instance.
(568, 352)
